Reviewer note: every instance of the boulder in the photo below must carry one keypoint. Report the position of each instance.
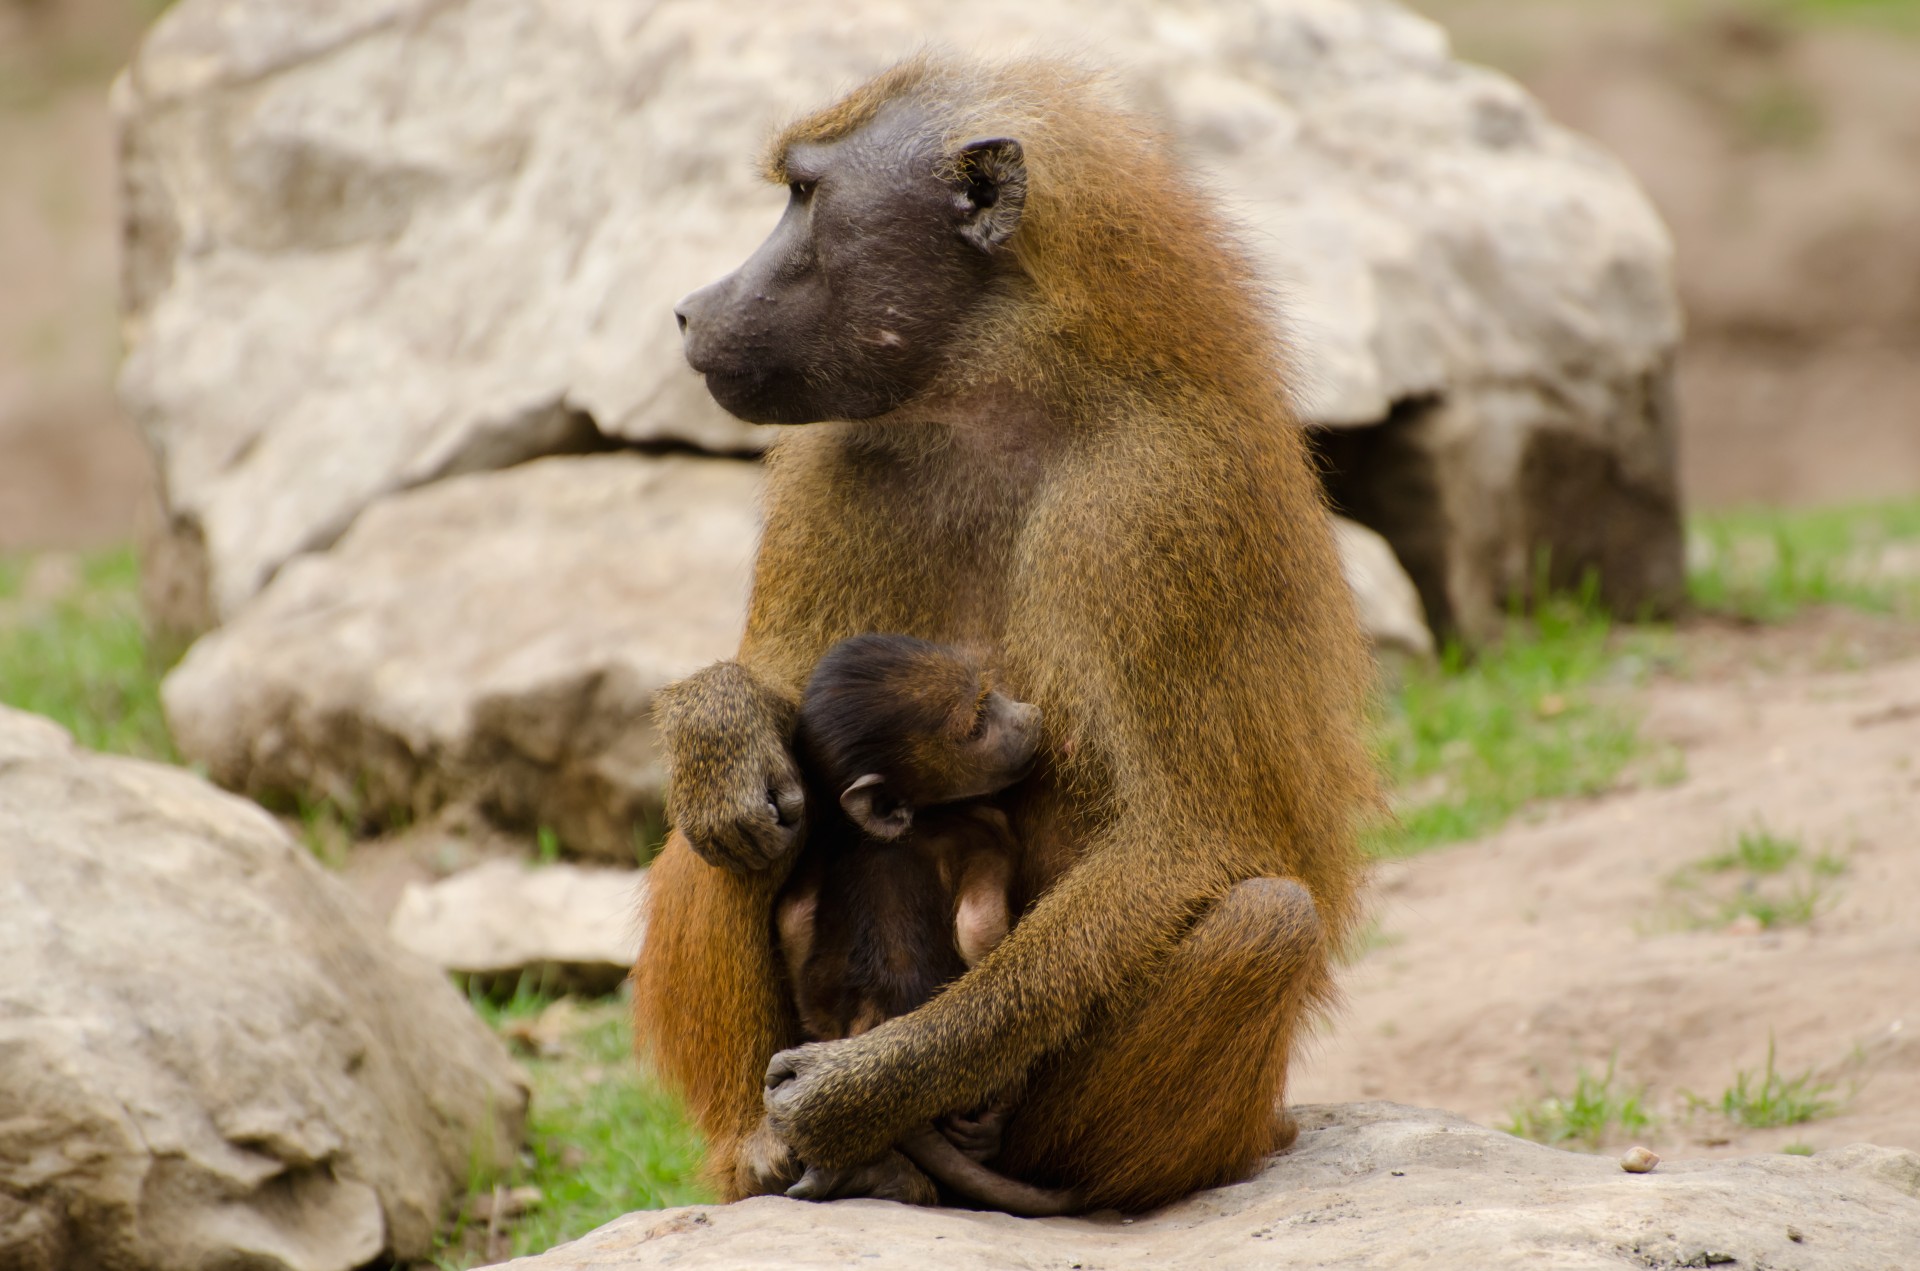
(1384, 597)
(1368, 1185)
(373, 244)
(565, 925)
(208, 1055)
(494, 641)
(494, 638)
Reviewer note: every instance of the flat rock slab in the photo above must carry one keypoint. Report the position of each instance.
(495, 638)
(373, 243)
(563, 924)
(209, 1057)
(1368, 1185)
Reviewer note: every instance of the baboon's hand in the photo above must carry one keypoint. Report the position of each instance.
(820, 1099)
(735, 791)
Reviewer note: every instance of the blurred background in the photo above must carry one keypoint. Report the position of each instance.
(1780, 140)
(1674, 904)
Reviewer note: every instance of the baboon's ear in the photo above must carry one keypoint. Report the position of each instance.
(866, 801)
(993, 190)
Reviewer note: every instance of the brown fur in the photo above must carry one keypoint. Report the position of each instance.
(1106, 488)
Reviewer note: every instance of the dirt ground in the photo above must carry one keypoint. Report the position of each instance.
(1500, 966)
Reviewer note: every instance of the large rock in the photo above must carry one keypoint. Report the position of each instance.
(1384, 598)
(373, 243)
(563, 925)
(208, 1056)
(1369, 1185)
(493, 639)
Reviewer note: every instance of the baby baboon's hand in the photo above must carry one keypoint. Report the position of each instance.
(734, 790)
(977, 1133)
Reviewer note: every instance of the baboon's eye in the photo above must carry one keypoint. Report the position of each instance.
(802, 190)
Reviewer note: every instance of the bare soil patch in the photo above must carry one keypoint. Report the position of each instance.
(1592, 934)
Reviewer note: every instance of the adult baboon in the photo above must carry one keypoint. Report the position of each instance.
(1055, 428)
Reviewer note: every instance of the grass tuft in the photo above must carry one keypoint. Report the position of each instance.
(1470, 741)
(1586, 1116)
(603, 1137)
(1770, 1098)
(1774, 882)
(83, 658)
(1757, 851)
(1765, 565)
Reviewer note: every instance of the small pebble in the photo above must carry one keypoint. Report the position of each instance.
(1399, 1173)
(1794, 1234)
(1638, 1160)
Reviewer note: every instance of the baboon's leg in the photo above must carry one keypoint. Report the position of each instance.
(1185, 1090)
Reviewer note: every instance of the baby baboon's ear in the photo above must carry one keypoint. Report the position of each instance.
(993, 175)
(873, 810)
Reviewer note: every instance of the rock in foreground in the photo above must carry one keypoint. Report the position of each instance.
(1368, 1185)
(208, 1056)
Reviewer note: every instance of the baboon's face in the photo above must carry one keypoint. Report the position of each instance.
(847, 309)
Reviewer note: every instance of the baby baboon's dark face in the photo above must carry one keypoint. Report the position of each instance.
(891, 724)
(847, 309)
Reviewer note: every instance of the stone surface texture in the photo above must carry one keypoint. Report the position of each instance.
(493, 639)
(494, 643)
(1368, 1185)
(1384, 597)
(371, 244)
(208, 1056)
(565, 924)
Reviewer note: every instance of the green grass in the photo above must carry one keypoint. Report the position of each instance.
(603, 1138)
(84, 659)
(1899, 15)
(1766, 565)
(1469, 741)
(1587, 1117)
(1757, 851)
(1760, 874)
(1769, 1098)
(1796, 907)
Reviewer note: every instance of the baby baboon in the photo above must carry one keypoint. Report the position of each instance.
(904, 879)
(908, 868)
